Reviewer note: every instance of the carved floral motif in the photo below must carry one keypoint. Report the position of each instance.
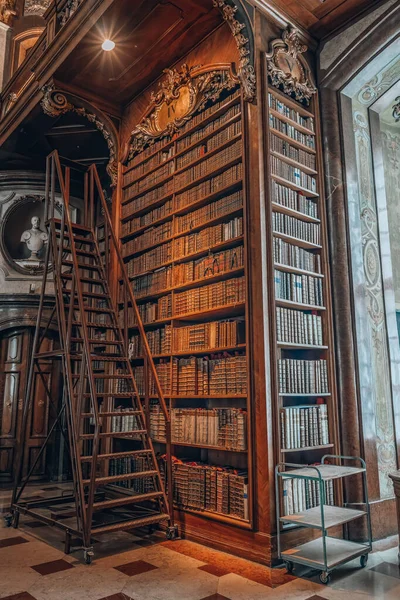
(287, 68)
(55, 103)
(36, 7)
(396, 110)
(186, 91)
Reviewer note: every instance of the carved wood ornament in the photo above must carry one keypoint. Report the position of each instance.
(8, 11)
(396, 110)
(288, 69)
(180, 95)
(55, 103)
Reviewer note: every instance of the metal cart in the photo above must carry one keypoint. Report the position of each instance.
(324, 553)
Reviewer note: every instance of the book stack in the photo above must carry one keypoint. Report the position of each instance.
(294, 200)
(127, 465)
(304, 426)
(156, 160)
(309, 232)
(163, 369)
(298, 327)
(304, 289)
(201, 133)
(208, 112)
(222, 293)
(208, 145)
(292, 132)
(285, 149)
(290, 113)
(149, 151)
(143, 183)
(159, 341)
(209, 212)
(200, 486)
(148, 218)
(302, 376)
(293, 174)
(150, 260)
(210, 186)
(152, 236)
(153, 283)
(294, 256)
(208, 237)
(220, 376)
(158, 430)
(131, 206)
(302, 494)
(124, 423)
(207, 336)
(213, 264)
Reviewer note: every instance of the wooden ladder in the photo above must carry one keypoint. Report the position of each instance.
(115, 489)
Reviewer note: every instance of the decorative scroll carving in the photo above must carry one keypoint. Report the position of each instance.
(36, 7)
(180, 95)
(288, 69)
(246, 71)
(68, 11)
(55, 103)
(7, 11)
(396, 110)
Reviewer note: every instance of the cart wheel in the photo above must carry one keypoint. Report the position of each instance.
(289, 566)
(324, 577)
(88, 556)
(8, 520)
(363, 560)
(172, 532)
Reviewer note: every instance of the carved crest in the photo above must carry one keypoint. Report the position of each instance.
(180, 95)
(55, 103)
(396, 110)
(288, 69)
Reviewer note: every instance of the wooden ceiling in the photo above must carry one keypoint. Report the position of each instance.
(150, 35)
(321, 17)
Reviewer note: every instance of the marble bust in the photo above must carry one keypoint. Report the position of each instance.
(34, 238)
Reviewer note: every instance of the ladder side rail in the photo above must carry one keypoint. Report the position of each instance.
(145, 345)
(92, 386)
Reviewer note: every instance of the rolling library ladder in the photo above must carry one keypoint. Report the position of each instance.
(113, 490)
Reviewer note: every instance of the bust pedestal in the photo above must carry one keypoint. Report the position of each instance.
(395, 477)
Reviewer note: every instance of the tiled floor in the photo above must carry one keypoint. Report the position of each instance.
(130, 567)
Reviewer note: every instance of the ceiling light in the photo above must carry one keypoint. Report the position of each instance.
(108, 45)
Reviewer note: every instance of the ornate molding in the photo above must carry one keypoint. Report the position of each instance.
(36, 7)
(55, 103)
(70, 8)
(288, 69)
(8, 11)
(246, 71)
(396, 110)
(180, 95)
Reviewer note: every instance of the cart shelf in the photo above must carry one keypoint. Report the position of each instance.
(327, 472)
(337, 551)
(333, 516)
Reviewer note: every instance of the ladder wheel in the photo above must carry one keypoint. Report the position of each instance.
(88, 556)
(324, 577)
(172, 532)
(363, 560)
(8, 519)
(289, 566)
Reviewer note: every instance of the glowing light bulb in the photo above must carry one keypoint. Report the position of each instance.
(108, 45)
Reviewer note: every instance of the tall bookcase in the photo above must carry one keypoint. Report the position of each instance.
(301, 324)
(183, 238)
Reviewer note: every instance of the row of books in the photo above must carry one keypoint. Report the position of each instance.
(223, 293)
(204, 336)
(208, 237)
(163, 369)
(148, 151)
(127, 465)
(211, 185)
(159, 340)
(294, 256)
(125, 422)
(209, 145)
(209, 165)
(309, 232)
(152, 259)
(294, 200)
(298, 327)
(292, 132)
(154, 235)
(209, 212)
(280, 146)
(224, 375)
(158, 159)
(304, 426)
(302, 376)
(290, 113)
(304, 289)
(200, 486)
(133, 204)
(201, 133)
(204, 114)
(293, 174)
(165, 278)
(139, 185)
(148, 218)
(302, 494)
(222, 427)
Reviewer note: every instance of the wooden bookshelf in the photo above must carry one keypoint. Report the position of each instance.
(201, 213)
(301, 323)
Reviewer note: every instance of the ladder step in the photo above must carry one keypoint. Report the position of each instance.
(98, 342)
(115, 478)
(109, 394)
(135, 523)
(77, 238)
(89, 436)
(101, 357)
(79, 252)
(74, 226)
(112, 414)
(87, 294)
(50, 354)
(115, 455)
(69, 263)
(96, 325)
(126, 500)
(84, 279)
(86, 309)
